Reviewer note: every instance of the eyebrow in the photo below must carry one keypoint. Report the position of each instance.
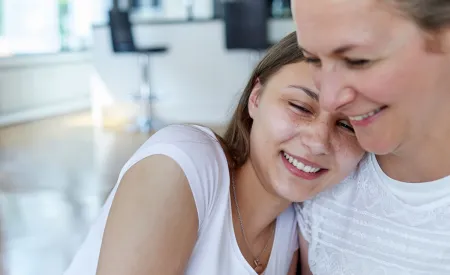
(307, 91)
(338, 51)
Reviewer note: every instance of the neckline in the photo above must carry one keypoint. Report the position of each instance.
(235, 245)
(391, 185)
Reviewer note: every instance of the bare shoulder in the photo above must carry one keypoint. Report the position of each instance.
(152, 222)
(157, 180)
(148, 168)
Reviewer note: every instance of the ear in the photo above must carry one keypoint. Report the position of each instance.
(253, 101)
(438, 41)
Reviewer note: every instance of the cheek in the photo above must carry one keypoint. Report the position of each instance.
(390, 81)
(384, 85)
(348, 154)
(276, 125)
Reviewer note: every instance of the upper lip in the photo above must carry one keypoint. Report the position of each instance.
(305, 161)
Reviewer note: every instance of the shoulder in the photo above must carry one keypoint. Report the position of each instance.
(193, 150)
(189, 138)
(192, 147)
(359, 180)
(184, 133)
(337, 200)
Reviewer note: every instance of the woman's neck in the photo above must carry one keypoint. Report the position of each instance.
(423, 159)
(258, 207)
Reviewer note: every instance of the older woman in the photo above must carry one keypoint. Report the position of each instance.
(385, 64)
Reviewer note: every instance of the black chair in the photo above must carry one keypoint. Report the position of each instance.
(246, 25)
(123, 42)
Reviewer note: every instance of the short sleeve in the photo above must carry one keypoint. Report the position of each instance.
(303, 212)
(199, 154)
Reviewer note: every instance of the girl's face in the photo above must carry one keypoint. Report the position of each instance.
(297, 148)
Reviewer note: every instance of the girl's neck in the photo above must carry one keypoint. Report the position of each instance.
(258, 207)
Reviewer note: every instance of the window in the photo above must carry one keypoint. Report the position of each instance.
(47, 26)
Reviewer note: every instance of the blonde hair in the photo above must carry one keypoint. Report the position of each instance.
(430, 15)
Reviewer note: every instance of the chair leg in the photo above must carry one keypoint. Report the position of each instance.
(145, 117)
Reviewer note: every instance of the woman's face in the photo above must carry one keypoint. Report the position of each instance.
(297, 148)
(377, 67)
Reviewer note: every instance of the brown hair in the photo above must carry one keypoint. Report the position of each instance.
(236, 138)
(430, 15)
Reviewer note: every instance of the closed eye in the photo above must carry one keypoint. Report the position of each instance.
(345, 125)
(312, 61)
(300, 108)
(357, 62)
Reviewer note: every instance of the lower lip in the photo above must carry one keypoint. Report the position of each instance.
(300, 173)
(368, 120)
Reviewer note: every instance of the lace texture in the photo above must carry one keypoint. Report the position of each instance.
(358, 227)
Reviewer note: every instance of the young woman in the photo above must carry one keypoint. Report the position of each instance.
(386, 65)
(189, 202)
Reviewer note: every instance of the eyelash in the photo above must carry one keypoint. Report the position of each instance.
(346, 126)
(353, 63)
(357, 62)
(313, 61)
(300, 108)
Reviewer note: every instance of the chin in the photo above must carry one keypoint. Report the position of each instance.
(295, 194)
(380, 140)
(377, 147)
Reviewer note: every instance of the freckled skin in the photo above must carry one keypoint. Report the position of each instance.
(315, 135)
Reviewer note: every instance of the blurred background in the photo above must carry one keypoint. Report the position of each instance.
(83, 83)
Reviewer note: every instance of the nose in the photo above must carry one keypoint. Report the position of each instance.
(317, 140)
(335, 93)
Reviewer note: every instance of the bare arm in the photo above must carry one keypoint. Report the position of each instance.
(153, 222)
(304, 256)
(294, 263)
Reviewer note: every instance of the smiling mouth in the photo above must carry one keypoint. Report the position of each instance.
(300, 165)
(365, 116)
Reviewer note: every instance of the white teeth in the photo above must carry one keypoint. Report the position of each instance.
(361, 117)
(301, 166)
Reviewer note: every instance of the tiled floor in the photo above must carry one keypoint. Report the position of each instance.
(54, 177)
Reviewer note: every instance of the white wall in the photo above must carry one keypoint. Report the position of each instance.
(197, 81)
(34, 87)
(31, 26)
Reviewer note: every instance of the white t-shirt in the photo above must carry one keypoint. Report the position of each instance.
(203, 161)
(373, 225)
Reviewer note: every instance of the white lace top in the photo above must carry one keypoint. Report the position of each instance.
(371, 224)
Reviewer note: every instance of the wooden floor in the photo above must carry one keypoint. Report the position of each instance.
(54, 177)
